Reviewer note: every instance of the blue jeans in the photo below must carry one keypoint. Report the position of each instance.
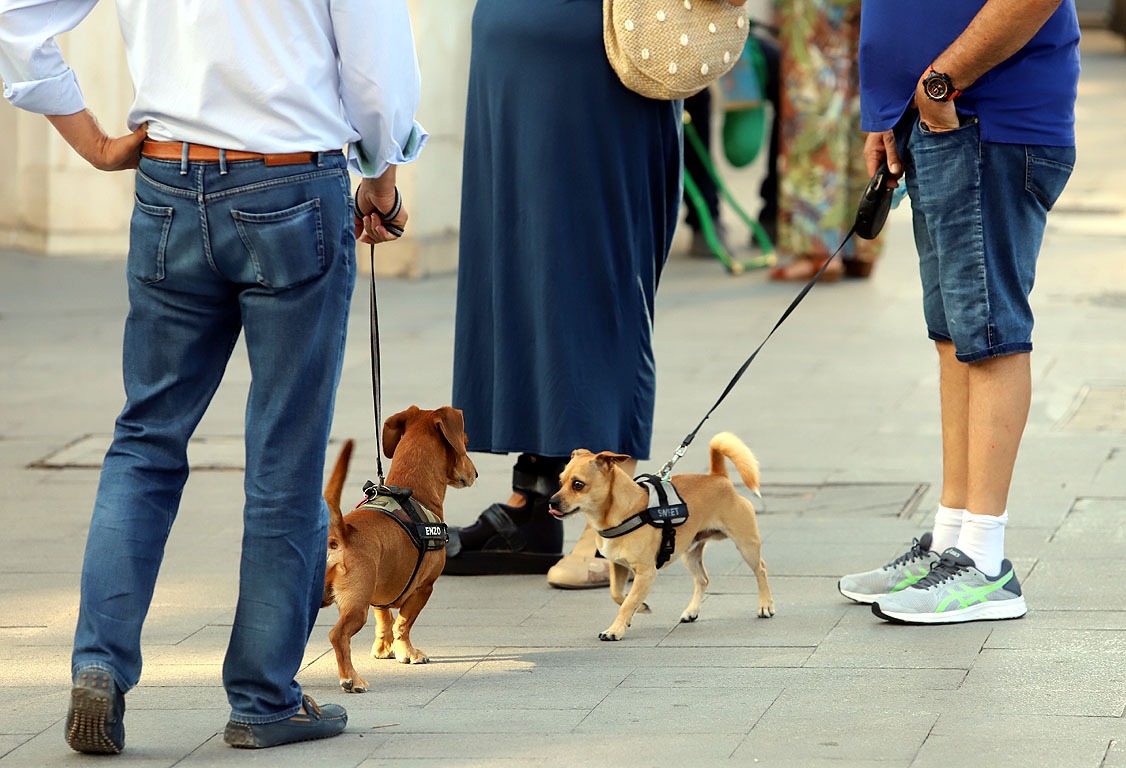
(979, 213)
(267, 251)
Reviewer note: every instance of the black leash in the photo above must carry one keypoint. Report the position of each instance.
(375, 391)
(870, 217)
(375, 377)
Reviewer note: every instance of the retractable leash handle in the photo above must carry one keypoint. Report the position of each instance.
(870, 217)
(874, 204)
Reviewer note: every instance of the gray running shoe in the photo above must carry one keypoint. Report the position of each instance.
(897, 575)
(955, 591)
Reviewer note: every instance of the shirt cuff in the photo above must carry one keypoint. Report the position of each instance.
(362, 164)
(58, 95)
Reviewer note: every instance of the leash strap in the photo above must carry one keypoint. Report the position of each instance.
(665, 470)
(376, 393)
(375, 388)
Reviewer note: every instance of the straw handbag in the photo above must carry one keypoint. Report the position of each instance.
(672, 49)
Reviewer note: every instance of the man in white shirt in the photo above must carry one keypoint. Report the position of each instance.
(243, 223)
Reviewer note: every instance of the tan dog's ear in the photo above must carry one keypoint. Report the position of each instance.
(580, 452)
(394, 428)
(451, 423)
(607, 461)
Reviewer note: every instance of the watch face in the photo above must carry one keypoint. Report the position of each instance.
(937, 86)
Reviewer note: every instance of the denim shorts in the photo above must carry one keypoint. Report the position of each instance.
(979, 210)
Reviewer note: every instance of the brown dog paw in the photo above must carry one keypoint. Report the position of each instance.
(413, 658)
(408, 654)
(688, 618)
(766, 611)
(354, 686)
(608, 635)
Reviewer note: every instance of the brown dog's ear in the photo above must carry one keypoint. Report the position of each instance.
(451, 424)
(607, 461)
(394, 427)
(580, 452)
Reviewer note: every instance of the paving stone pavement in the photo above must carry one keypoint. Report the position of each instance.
(842, 410)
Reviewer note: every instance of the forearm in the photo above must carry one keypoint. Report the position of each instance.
(81, 131)
(1000, 29)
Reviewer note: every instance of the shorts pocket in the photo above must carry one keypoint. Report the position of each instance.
(148, 239)
(286, 247)
(1047, 171)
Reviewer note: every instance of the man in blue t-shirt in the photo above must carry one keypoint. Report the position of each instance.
(972, 102)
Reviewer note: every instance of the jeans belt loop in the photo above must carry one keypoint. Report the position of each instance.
(184, 147)
(222, 162)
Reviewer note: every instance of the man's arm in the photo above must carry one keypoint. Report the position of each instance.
(1000, 29)
(82, 132)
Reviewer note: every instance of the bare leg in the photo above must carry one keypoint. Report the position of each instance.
(1000, 394)
(954, 398)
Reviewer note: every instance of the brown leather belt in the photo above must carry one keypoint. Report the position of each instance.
(199, 153)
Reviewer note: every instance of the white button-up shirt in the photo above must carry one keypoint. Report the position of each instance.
(255, 75)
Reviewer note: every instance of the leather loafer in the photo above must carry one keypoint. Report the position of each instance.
(314, 723)
(95, 720)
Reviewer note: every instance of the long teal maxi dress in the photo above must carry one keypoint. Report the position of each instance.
(570, 196)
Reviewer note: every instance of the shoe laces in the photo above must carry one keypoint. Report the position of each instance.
(946, 568)
(910, 556)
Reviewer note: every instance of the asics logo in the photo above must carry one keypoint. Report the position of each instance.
(967, 596)
(910, 578)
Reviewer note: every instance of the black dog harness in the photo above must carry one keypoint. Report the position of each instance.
(666, 511)
(426, 530)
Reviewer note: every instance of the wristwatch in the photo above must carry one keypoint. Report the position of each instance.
(938, 86)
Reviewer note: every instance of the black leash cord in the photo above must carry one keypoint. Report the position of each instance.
(375, 377)
(665, 470)
(375, 391)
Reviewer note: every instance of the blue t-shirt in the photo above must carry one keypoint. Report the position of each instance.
(1027, 99)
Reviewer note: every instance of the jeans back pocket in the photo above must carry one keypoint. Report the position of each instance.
(286, 247)
(148, 241)
(1047, 171)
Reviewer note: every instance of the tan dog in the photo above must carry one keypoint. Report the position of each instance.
(371, 558)
(596, 486)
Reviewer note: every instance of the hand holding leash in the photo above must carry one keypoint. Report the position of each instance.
(380, 215)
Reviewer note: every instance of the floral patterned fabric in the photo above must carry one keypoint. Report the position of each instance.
(822, 163)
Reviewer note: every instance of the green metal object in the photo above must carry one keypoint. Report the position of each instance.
(707, 225)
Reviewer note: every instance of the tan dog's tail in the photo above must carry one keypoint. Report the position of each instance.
(726, 445)
(335, 488)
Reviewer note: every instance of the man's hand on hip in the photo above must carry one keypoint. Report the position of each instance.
(82, 132)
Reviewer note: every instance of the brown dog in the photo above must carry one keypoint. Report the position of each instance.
(596, 486)
(371, 558)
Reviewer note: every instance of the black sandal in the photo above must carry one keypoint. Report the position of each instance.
(513, 540)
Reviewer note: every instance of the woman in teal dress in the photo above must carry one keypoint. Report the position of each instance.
(570, 195)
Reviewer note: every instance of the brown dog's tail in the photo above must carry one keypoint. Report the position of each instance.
(727, 446)
(335, 488)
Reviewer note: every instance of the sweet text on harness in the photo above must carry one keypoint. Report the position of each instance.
(666, 511)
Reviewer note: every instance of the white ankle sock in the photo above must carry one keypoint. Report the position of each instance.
(947, 524)
(983, 539)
